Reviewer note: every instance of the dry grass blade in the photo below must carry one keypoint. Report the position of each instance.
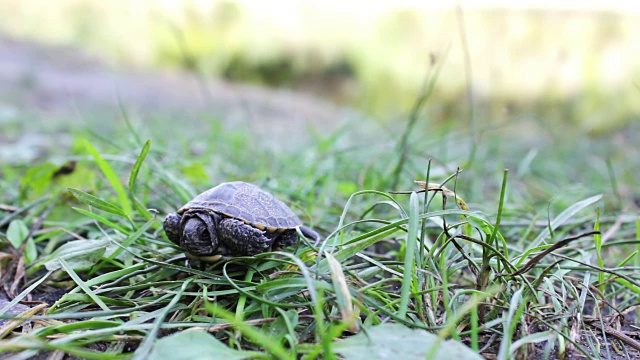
(343, 294)
(9, 208)
(445, 191)
(20, 318)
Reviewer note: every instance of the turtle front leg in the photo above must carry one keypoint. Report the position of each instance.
(171, 227)
(242, 239)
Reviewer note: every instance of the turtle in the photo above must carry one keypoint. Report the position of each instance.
(234, 219)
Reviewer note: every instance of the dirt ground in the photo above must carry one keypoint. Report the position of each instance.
(62, 82)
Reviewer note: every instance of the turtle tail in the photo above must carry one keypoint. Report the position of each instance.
(310, 234)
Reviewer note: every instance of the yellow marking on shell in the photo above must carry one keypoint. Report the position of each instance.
(281, 230)
(259, 227)
(207, 258)
(271, 229)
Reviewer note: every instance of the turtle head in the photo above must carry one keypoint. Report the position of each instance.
(198, 234)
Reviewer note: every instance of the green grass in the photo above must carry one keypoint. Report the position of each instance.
(523, 270)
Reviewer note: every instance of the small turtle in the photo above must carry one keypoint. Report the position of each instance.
(234, 219)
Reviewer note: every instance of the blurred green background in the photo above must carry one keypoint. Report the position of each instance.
(576, 67)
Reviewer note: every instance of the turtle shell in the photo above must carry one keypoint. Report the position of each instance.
(246, 202)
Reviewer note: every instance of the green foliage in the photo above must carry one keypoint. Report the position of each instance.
(394, 341)
(97, 202)
(18, 235)
(413, 274)
(196, 344)
(78, 254)
(112, 177)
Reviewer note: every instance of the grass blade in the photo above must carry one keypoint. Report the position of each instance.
(503, 189)
(112, 177)
(567, 214)
(598, 242)
(23, 294)
(516, 306)
(99, 218)
(7, 219)
(96, 202)
(343, 296)
(260, 338)
(83, 285)
(409, 255)
(145, 348)
(136, 167)
(131, 239)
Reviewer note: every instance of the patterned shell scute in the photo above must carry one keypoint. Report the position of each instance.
(247, 202)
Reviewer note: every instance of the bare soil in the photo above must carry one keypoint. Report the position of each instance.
(62, 82)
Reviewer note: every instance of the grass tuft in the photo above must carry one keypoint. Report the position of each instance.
(498, 280)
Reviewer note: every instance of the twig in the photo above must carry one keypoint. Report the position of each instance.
(8, 208)
(616, 333)
(536, 259)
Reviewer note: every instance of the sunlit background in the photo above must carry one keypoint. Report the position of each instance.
(574, 63)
